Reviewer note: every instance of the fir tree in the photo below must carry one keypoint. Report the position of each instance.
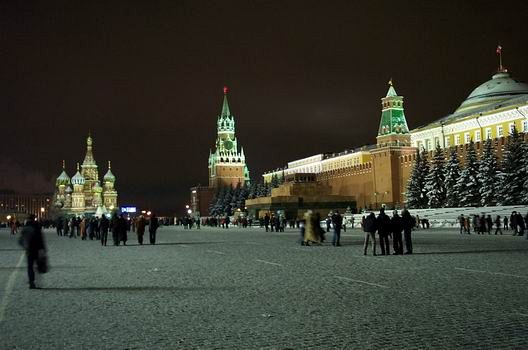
(274, 181)
(468, 184)
(226, 209)
(424, 170)
(415, 186)
(488, 175)
(435, 180)
(513, 176)
(452, 174)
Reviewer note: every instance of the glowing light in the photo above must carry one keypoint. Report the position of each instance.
(42, 210)
(226, 89)
(189, 211)
(149, 212)
(187, 206)
(8, 217)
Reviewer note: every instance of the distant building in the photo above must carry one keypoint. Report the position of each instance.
(227, 163)
(377, 175)
(19, 205)
(83, 195)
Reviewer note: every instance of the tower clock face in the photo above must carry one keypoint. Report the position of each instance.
(228, 144)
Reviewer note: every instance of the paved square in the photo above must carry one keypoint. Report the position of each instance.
(248, 289)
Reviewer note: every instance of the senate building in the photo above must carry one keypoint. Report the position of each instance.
(376, 175)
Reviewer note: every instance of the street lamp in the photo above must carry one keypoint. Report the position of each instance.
(42, 210)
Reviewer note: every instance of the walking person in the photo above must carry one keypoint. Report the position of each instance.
(489, 223)
(369, 227)
(505, 223)
(153, 226)
(397, 228)
(140, 228)
(462, 222)
(104, 225)
(498, 224)
(384, 228)
(114, 224)
(310, 233)
(337, 221)
(122, 228)
(33, 242)
(266, 221)
(407, 224)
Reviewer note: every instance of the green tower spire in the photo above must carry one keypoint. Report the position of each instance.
(225, 105)
(393, 124)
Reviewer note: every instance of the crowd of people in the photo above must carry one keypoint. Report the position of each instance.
(386, 227)
(486, 224)
(98, 228)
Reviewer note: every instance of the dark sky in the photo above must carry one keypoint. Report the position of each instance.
(305, 77)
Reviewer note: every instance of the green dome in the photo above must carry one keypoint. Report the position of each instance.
(501, 87)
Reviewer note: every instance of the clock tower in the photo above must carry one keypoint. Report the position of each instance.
(227, 164)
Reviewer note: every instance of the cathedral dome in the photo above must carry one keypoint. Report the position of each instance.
(109, 176)
(78, 179)
(499, 88)
(63, 179)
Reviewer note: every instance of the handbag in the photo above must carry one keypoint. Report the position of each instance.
(42, 261)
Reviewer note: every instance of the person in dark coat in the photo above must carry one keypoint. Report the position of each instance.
(337, 221)
(489, 223)
(33, 242)
(114, 224)
(520, 223)
(122, 225)
(104, 224)
(141, 223)
(397, 228)
(266, 221)
(384, 229)
(153, 226)
(498, 224)
(369, 226)
(407, 224)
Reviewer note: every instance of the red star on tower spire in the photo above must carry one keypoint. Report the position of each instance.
(225, 90)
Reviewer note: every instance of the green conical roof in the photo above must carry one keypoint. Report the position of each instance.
(392, 116)
(225, 106)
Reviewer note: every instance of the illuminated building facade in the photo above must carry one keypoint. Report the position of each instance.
(377, 175)
(83, 193)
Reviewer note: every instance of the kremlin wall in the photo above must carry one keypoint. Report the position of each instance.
(376, 175)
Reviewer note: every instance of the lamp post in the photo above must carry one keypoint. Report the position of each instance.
(42, 210)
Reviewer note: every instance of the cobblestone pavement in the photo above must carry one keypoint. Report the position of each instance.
(247, 289)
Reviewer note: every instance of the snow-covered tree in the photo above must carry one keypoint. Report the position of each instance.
(513, 176)
(488, 175)
(452, 174)
(435, 180)
(416, 195)
(468, 184)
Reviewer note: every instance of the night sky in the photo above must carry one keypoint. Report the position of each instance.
(305, 77)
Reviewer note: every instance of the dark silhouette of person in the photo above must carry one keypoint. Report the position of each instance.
(104, 225)
(122, 227)
(369, 226)
(153, 226)
(384, 228)
(33, 242)
(397, 228)
(141, 228)
(407, 224)
(337, 221)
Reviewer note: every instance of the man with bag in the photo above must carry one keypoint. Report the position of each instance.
(33, 242)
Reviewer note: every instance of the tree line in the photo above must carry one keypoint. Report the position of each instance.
(484, 181)
(228, 199)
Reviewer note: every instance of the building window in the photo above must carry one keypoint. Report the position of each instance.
(467, 138)
(427, 145)
(488, 133)
(525, 125)
(419, 145)
(511, 127)
(500, 131)
(446, 141)
(437, 141)
(457, 140)
(477, 136)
